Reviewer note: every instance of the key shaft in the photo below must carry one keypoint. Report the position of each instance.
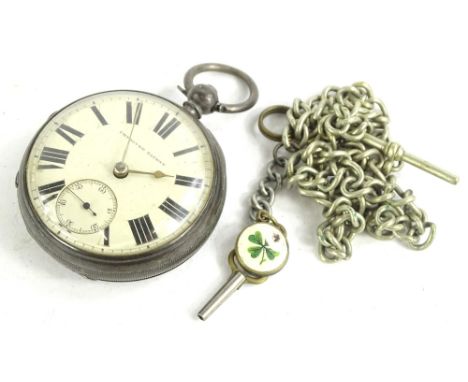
(235, 281)
(413, 160)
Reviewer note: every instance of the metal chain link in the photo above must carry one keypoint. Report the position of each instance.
(330, 162)
(264, 197)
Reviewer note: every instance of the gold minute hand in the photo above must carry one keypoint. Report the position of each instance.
(157, 174)
(135, 121)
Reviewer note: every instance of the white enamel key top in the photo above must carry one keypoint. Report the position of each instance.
(261, 251)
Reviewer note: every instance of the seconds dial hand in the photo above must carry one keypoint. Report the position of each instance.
(84, 204)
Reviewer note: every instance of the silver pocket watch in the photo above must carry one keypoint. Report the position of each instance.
(125, 185)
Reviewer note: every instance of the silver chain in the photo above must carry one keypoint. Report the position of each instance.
(264, 196)
(330, 162)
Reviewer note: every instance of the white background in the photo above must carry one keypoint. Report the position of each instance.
(389, 314)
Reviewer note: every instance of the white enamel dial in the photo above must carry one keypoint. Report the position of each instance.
(85, 199)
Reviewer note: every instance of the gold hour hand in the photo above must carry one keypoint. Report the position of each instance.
(157, 174)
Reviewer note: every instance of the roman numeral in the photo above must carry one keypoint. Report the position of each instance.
(188, 181)
(163, 129)
(142, 229)
(47, 167)
(64, 131)
(134, 119)
(98, 115)
(106, 236)
(51, 190)
(174, 210)
(50, 154)
(186, 151)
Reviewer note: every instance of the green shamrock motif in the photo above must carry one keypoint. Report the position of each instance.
(261, 247)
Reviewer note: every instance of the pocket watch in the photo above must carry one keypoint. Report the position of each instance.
(125, 185)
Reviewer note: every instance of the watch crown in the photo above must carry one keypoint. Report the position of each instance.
(202, 99)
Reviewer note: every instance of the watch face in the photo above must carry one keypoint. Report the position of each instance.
(120, 173)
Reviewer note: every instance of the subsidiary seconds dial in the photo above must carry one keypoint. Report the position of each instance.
(86, 206)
